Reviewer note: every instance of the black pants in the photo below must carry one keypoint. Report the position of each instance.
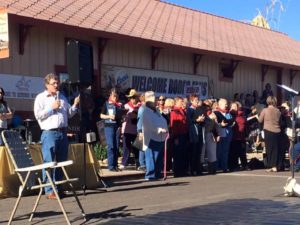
(237, 151)
(195, 150)
(284, 144)
(272, 148)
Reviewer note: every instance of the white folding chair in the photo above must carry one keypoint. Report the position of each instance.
(27, 173)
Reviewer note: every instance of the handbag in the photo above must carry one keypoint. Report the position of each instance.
(138, 142)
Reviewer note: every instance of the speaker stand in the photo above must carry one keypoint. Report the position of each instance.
(84, 139)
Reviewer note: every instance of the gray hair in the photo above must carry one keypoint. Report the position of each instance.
(149, 95)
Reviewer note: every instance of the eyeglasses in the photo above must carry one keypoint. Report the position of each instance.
(54, 83)
(160, 99)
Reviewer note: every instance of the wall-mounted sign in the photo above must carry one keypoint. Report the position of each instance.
(4, 36)
(23, 87)
(162, 83)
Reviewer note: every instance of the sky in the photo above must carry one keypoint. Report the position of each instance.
(286, 21)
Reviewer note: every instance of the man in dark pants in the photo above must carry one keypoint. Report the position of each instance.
(52, 110)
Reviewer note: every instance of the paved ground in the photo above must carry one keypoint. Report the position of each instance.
(250, 197)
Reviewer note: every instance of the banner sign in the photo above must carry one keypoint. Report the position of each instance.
(168, 84)
(23, 87)
(4, 40)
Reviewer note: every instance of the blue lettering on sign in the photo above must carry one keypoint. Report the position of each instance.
(121, 79)
(142, 84)
(176, 87)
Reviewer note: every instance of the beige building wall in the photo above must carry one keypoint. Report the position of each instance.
(45, 48)
(247, 76)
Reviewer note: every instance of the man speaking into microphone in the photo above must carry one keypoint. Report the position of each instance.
(52, 110)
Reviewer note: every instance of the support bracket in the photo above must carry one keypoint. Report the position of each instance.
(197, 60)
(264, 71)
(292, 75)
(154, 55)
(23, 34)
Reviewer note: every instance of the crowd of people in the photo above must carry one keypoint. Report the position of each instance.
(192, 129)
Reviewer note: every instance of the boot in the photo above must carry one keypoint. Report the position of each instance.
(211, 167)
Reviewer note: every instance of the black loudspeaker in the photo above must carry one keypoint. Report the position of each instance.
(80, 62)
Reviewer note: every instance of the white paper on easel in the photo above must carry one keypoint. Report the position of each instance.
(288, 89)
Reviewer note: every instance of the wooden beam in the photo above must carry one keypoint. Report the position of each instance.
(292, 75)
(23, 34)
(102, 43)
(154, 55)
(264, 71)
(197, 59)
(228, 71)
(279, 81)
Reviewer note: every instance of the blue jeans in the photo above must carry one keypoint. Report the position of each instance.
(1, 141)
(54, 148)
(142, 158)
(112, 137)
(154, 160)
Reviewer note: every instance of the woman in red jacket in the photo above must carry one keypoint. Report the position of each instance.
(179, 132)
(238, 144)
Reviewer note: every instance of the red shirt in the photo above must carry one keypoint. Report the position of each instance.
(178, 122)
(239, 129)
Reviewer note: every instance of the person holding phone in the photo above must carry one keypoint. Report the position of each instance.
(195, 118)
(110, 113)
(5, 113)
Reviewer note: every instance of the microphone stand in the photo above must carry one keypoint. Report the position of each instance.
(82, 137)
(294, 136)
(85, 142)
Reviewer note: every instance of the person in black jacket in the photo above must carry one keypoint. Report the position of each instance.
(195, 117)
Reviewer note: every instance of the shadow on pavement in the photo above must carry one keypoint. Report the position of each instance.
(147, 185)
(240, 211)
(119, 212)
(154, 185)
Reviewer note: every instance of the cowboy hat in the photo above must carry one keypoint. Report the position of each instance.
(132, 93)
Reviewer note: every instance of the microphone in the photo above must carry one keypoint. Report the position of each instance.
(57, 98)
(57, 95)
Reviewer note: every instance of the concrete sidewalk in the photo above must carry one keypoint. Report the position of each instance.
(249, 197)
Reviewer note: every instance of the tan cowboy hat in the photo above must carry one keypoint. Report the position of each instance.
(132, 93)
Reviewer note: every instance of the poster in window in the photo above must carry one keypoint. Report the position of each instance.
(4, 40)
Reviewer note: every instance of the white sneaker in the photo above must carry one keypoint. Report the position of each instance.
(121, 167)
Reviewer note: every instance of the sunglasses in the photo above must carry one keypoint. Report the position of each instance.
(160, 99)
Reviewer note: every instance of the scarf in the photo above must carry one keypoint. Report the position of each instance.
(132, 106)
(117, 104)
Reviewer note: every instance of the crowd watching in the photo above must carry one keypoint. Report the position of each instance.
(194, 132)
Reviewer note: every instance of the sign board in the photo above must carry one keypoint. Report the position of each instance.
(23, 87)
(168, 84)
(4, 37)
